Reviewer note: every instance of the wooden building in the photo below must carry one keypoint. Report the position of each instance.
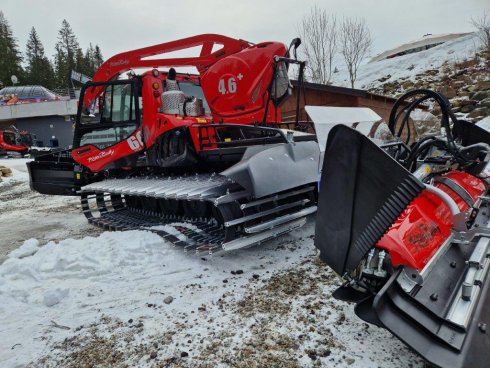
(325, 95)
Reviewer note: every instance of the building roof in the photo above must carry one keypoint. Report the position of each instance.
(426, 40)
(29, 92)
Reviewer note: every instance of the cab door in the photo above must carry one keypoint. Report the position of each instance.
(109, 135)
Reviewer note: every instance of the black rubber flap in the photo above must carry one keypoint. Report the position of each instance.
(362, 191)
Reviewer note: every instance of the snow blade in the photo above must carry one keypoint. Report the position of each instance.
(434, 320)
(362, 191)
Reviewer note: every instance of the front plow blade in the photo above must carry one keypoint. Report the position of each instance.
(433, 318)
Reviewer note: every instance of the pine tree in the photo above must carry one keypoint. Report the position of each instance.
(10, 56)
(89, 61)
(39, 70)
(98, 59)
(66, 50)
(81, 64)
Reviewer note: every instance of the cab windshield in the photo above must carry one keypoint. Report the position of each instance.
(9, 138)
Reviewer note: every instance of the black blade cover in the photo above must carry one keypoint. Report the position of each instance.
(362, 192)
(470, 133)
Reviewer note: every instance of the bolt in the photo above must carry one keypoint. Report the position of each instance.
(453, 264)
(434, 297)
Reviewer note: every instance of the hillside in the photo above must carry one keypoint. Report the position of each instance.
(455, 68)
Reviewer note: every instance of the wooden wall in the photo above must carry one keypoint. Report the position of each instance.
(382, 106)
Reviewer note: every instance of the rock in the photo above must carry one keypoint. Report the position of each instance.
(448, 91)
(457, 84)
(324, 352)
(385, 78)
(350, 361)
(311, 353)
(130, 320)
(184, 354)
(432, 72)
(467, 108)
(482, 86)
(407, 85)
(169, 299)
(153, 355)
(485, 103)
(480, 96)
(481, 112)
(6, 171)
(468, 102)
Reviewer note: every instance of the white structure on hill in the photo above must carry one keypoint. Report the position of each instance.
(426, 42)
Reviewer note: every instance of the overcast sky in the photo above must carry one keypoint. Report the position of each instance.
(121, 25)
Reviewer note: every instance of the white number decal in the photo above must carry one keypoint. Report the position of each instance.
(221, 87)
(135, 142)
(231, 86)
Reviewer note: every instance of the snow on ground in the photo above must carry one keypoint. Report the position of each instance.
(408, 66)
(484, 123)
(25, 214)
(132, 299)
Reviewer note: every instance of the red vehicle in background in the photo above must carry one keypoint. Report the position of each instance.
(12, 142)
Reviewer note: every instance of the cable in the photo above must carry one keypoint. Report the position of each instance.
(403, 108)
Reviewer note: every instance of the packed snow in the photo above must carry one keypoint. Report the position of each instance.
(132, 299)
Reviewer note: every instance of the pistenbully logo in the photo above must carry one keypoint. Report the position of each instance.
(119, 62)
(101, 155)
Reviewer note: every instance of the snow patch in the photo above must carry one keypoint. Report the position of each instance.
(484, 123)
(27, 249)
(53, 297)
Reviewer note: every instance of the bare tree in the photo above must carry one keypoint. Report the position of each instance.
(319, 31)
(355, 44)
(482, 24)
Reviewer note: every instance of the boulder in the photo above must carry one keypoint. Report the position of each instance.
(482, 95)
(485, 103)
(482, 86)
(5, 171)
(467, 108)
(479, 113)
(407, 85)
(447, 91)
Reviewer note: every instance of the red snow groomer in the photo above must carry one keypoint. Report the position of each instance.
(198, 158)
(11, 142)
(407, 227)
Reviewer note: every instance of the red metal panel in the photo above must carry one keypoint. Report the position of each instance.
(426, 223)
